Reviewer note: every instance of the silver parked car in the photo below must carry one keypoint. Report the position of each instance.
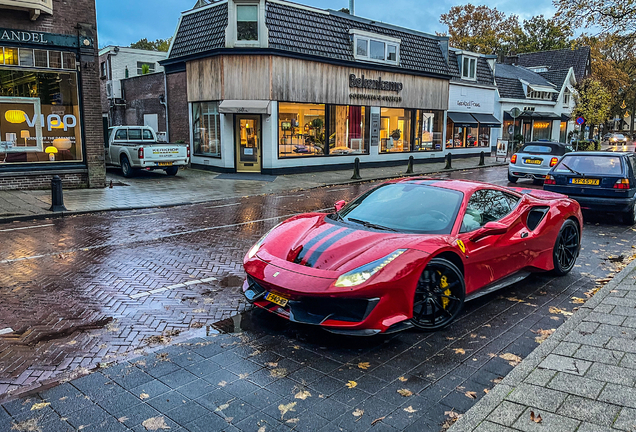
(535, 159)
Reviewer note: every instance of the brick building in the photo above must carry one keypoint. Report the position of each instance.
(50, 110)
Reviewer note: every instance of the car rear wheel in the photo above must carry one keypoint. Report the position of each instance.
(126, 169)
(566, 248)
(439, 296)
(629, 218)
(512, 179)
(172, 171)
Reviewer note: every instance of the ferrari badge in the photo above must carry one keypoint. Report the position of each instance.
(461, 245)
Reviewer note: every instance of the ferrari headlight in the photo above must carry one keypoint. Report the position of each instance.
(254, 250)
(364, 273)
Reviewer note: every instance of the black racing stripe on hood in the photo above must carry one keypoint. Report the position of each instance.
(311, 261)
(311, 243)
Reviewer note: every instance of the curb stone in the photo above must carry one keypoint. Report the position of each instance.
(478, 413)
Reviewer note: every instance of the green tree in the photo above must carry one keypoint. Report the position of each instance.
(593, 102)
(541, 34)
(481, 29)
(158, 45)
(611, 16)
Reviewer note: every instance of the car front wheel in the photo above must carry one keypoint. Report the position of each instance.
(439, 296)
(566, 248)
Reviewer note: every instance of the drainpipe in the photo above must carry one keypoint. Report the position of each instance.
(351, 7)
(164, 102)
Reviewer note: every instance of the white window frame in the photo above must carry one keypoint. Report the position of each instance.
(257, 41)
(470, 59)
(567, 94)
(359, 35)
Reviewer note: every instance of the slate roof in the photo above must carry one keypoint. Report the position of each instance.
(510, 88)
(560, 60)
(200, 31)
(484, 73)
(521, 73)
(308, 32)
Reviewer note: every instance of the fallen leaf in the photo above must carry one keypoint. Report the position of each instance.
(122, 419)
(222, 384)
(459, 351)
(409, 409)
(296, 347)
(556, 310)
(358, 412)
(513, 360)
(405, 392)
(536, 419)
(73, 342)
(271, 364)
(244, 375)
(471, 394)
(578, 300)
(39, 406)
(486, 391)
(292, 421)
(452, 414)
(351, 384)
(364, 365)
(278, 373)
(492, 355)
(262, 429)
(302, 395)
(144, 396)
(543, 335)
(284, 409)
(378, 420)
(515, 299)
(403, 379)
(155, 423)
(222, 407)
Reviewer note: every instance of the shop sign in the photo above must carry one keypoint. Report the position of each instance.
(372, 84)
(38, 38)
(468, 104)
(502, 149)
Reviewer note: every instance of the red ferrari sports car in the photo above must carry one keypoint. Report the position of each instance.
(409, 253)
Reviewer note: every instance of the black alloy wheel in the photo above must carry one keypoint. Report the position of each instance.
(126, 169)
(566, 248)
(439, 296)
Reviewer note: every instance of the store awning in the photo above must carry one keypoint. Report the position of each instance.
(546, 116)
(487, 120)
(245, 107)
(565, 118)
(462, 119)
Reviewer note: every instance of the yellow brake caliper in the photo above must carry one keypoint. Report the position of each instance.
(443, 285)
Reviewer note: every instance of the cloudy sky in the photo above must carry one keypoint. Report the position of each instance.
(122, 22)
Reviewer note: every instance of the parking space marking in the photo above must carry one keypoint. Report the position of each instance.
(137, 215)
(164, 289)
(26, 228)
(224, 205)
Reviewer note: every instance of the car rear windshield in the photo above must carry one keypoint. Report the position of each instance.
(590, 164)
(406, 207)
(537, 149)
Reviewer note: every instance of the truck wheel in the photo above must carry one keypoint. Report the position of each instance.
(126, 169)
(172, 171)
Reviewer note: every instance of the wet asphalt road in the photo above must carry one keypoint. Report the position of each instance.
(87, 290)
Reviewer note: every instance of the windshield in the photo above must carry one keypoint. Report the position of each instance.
(406, 207)
(588, 164)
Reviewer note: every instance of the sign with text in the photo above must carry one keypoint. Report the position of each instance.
(38, 38)
(502, 149)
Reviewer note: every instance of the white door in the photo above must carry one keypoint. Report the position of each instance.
(152, 120)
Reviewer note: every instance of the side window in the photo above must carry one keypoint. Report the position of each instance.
(147, 134)
(134, 134)
(632, 159)
(122, 134)
(485, 206)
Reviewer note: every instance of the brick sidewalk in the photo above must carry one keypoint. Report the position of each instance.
(581, 379)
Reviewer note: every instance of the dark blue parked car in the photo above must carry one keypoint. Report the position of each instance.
(600, 181)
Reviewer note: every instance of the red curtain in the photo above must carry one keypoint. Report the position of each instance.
(355, 120)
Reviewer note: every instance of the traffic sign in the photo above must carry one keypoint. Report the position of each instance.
(580, 120)
(515, 112)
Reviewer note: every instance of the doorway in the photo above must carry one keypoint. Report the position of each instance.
(248, 143)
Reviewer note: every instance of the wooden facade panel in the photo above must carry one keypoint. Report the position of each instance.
(247, 77)
(205, 79)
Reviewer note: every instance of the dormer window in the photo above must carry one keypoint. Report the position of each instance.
(375, 48)
(566, 97)
(469, 68)
(247, 22)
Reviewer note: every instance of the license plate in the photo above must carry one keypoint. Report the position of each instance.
(533, 161)
(164, 163)
(585, 181)
(276, 299)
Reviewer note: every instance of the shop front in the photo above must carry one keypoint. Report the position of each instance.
(283, 115)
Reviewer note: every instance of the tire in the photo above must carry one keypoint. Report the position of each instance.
(126, 169)
(566, 248)
(629, 218)
(439, 295)
(512, 179)
(172, 171)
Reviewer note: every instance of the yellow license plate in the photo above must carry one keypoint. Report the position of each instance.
(584, 181)
(533, 161)
(164, 163)
(276, 299)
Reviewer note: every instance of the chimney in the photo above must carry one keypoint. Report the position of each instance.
(351, 7)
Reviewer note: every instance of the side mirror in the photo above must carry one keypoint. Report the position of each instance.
(339, 205)
(490, 229)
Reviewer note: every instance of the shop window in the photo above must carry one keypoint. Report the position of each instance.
(247, 22)
(206, 129)
(395, 130)
(377, 49)
(102, 70)
(26, 57)
(563, 132)
(145, 68)
(542, 130)
(469, 68)
(41, 58)
(55, 59)
(465, 136)
(69, 60)
(10, 56)
(484, 136)
(39, 117)
(301, 130)
(348, 130)
(428, 130)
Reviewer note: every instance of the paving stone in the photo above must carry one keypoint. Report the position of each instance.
(605, 318)
(616, 331)
(220, 378)
(540, 377)
(186, 412)
(210, 422)
(130, 377)
(196, 388)
(627, 321)
(612, 374)
(487, 426)
(235, 410)
(119, 402)
(136, 415)
(589, 427)
(262, 398)
(506, 413)
(587, 327)
(66, 399)
(587, 338)
(626, 420)
(258, 421)
(622, 344)
(565, 364)
(628, 361)
(539, 397)
(550, 422)
(618, 310)
(605, 309)
(152, 388)
(214, 399)
(596, 354)
(178, 378)
(90, 416)
(588, 410)
(576, 385)
(168, 401)
(620, 301)
(240, 387)
(619, 395)
(566, 348)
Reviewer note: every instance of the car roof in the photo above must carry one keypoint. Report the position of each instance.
(465, 186)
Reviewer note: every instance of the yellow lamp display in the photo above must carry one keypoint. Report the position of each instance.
(62, 143)
(59, 125)
(25, 134)
(15, 116)
(51, 151)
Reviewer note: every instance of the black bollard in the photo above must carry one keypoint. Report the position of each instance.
(449, 161)
(356, 170)
(482, 155)
(409, 169)
(57, 197)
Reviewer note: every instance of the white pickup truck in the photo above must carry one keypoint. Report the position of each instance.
(136, 147)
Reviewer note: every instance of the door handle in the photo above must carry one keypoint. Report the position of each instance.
(524, 235)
